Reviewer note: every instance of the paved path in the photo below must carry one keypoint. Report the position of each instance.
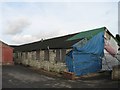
(22, 77)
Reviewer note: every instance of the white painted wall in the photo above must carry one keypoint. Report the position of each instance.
(109, 62)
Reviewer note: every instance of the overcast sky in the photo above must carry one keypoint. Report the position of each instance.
(23, 22)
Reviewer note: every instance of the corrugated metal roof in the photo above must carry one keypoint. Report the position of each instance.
(53, 43)
(87, 34)
(63, 42)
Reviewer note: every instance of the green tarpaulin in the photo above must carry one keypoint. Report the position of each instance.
(87, 34)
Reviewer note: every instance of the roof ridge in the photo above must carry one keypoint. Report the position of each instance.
(83, 33)
(48, 39)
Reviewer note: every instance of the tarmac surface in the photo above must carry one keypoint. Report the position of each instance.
(17, 76)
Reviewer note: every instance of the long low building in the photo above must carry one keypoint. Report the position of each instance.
(47, 54)
(50, 54)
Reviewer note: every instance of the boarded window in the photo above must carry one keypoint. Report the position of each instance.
(58, 55)
(63, 54)
(33, 57)
(26, 55)
(38, 55)
(30, 55)
(41, 55)
(20, 55)
(46, 55)
(16, 55)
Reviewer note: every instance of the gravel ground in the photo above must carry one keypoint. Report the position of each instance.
(17, 76)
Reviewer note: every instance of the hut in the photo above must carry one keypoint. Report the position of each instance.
(6, 54)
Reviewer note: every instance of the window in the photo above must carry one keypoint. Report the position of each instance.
(21, 55)
(63, 54)
(42, 55)
(32, 53)
(16, 55)
(38, 55)
(46, 55)
(26, 55)
(58, 55)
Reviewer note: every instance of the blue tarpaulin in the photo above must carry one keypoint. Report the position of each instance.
(88, 58)
(69, 61)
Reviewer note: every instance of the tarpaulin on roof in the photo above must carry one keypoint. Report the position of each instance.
(87, 34)
(94, 45)
(81, 43)
(87, 59)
